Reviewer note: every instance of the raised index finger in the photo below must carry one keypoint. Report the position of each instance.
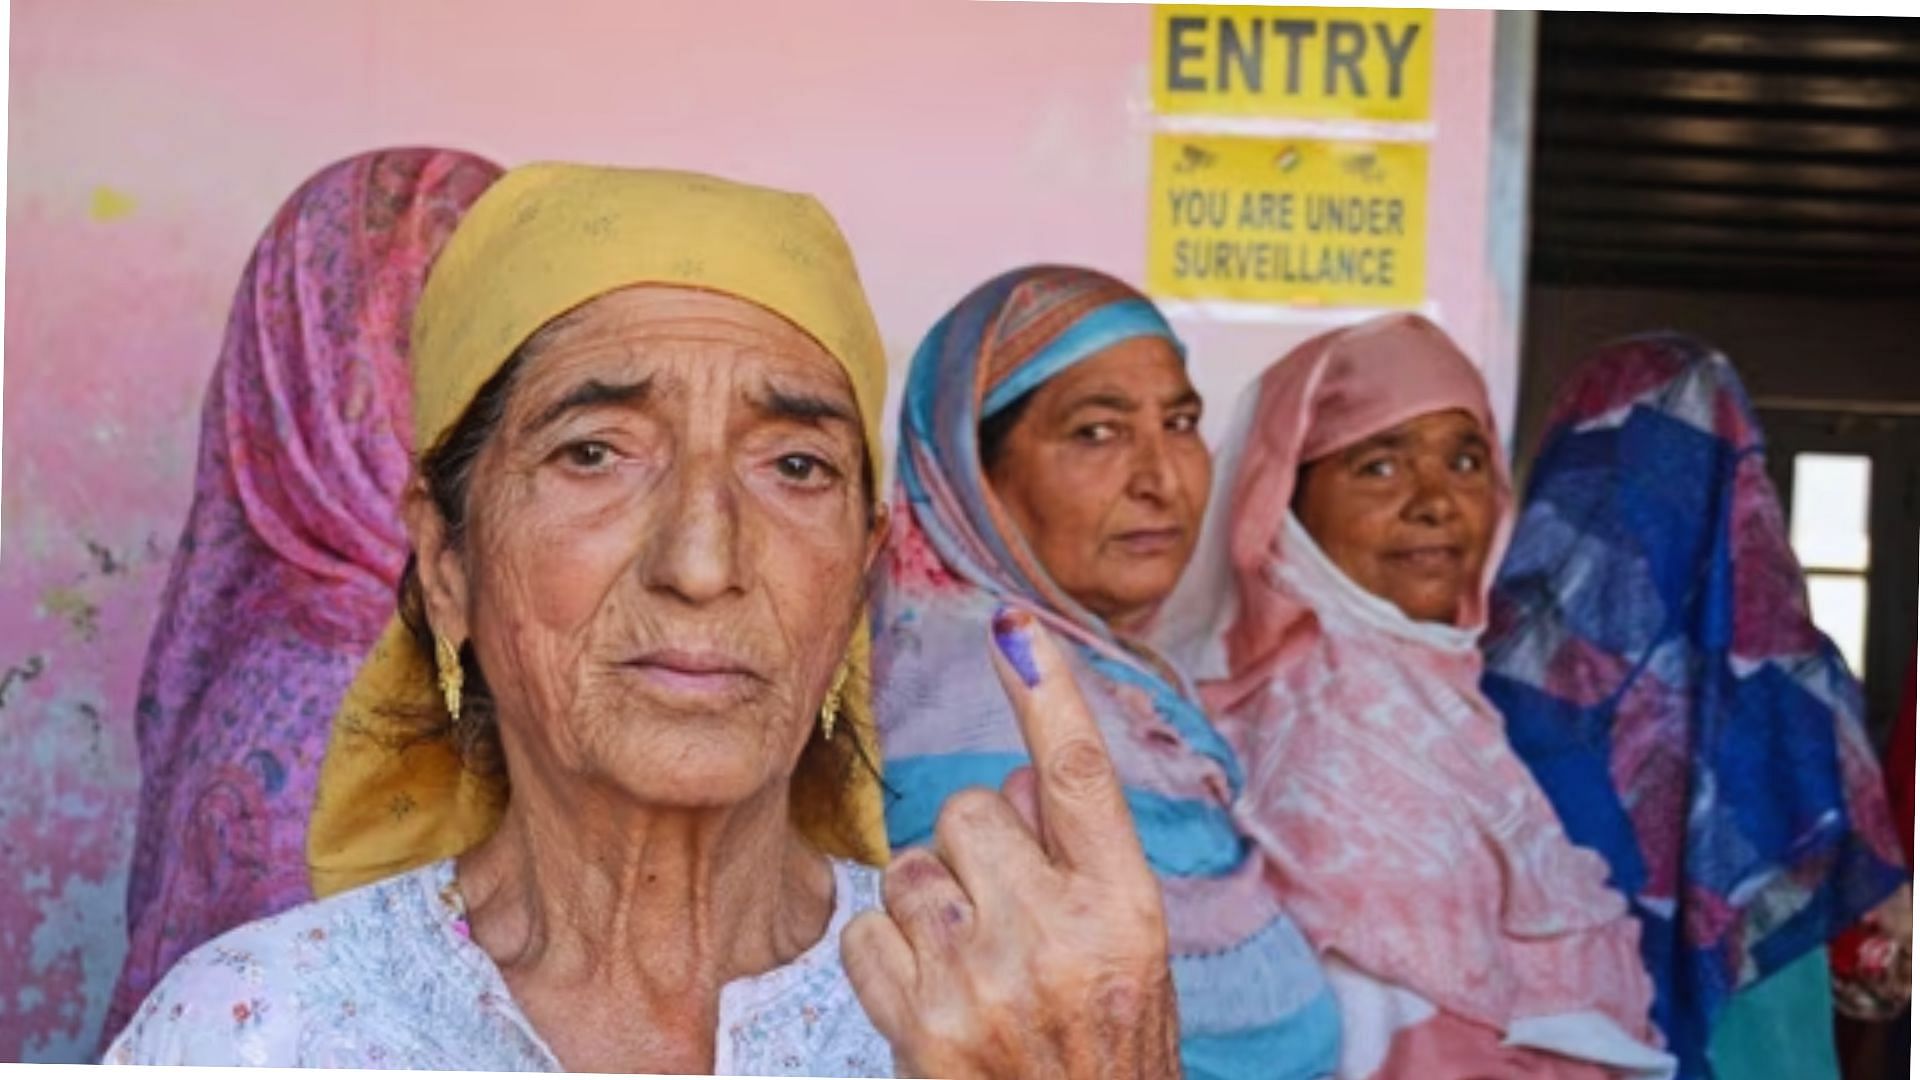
(1085, 822)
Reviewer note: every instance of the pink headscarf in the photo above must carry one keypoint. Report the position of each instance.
(286, 571)
(1402, 832)
(1331, 392)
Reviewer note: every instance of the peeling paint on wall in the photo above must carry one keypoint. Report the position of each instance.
(72, 607)
(22, 673)
(64, 880)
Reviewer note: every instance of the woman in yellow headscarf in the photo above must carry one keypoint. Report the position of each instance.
(603, 798)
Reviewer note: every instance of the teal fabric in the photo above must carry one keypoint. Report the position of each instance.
(1781, 1028)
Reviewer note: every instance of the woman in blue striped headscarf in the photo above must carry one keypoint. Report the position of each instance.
(1050, 457)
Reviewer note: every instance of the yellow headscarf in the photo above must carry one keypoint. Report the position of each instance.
(544, 240)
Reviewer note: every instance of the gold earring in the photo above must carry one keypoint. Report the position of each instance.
(830, 708)
(447, 659)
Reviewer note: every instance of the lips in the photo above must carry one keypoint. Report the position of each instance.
(1431, 558)
(1147, 543)
(696, 675)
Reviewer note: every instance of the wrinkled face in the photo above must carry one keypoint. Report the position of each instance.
(1107, 478)
(666, 541)
(1408, 514)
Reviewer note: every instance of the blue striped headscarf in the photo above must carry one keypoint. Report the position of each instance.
(1253, 1001)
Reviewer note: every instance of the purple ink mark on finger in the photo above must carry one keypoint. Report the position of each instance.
(1013, 633)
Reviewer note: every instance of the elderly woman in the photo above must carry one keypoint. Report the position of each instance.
(1050, 456)
(608, 776)
(295, 523)
(1652, 650)
(1463, 934)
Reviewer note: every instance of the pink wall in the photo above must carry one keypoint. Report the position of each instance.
(151, 142)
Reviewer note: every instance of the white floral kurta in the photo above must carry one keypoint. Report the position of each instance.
(387, 977)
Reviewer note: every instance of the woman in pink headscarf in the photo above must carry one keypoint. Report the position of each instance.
(1332, 620)
(286, 571)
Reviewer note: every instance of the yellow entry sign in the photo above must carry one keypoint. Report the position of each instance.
(1307, 222)
(1309, 63)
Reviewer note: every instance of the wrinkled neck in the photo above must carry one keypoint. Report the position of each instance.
(596, 899)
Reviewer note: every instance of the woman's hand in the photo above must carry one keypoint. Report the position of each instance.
(1030, 940)
(1873, 963)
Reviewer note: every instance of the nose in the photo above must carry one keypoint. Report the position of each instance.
(1433, 502)
(693, 552)
(1153, 477)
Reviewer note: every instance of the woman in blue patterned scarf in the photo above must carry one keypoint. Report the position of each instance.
(1651, 648)
(1050, 458)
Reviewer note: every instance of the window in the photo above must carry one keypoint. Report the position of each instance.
(1829, 533)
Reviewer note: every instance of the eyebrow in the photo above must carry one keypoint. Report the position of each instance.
(1399, 440)
(802, 407)
(1108, 399)
(1390, 440)
(589, 395)
(1103, 399)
